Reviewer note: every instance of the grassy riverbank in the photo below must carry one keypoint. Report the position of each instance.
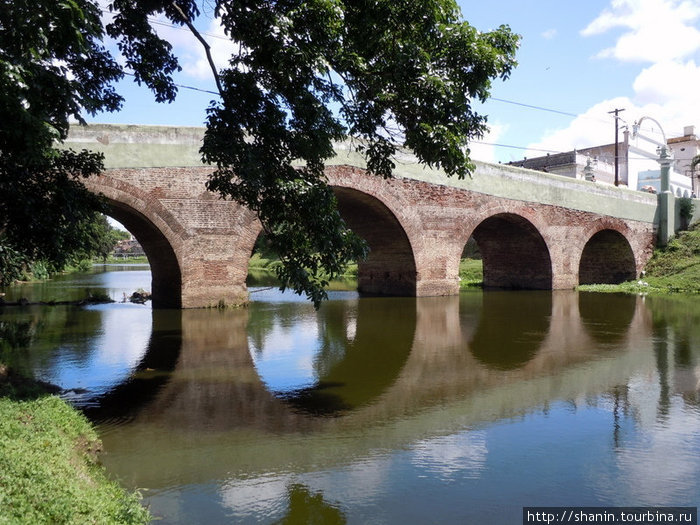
(471, 273)
(142, 259)
(49, 471)
(260, 262)
(672, 269)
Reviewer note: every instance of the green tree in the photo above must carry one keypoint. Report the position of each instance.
(52, 69)
(103, 238)
(389, 73)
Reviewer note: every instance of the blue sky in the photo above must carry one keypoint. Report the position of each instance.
(582, 59)
(586, 59)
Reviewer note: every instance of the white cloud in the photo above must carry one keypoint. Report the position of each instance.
(655, 464)
(187, 48)
(664, 92)
(549, 34)
(483, 149)
(195, 61)
(360, 481)
(460, 455)
(255, 497)
(179, 36)
(665, 82)
(657, 30)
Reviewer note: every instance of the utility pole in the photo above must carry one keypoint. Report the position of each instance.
(617, 163)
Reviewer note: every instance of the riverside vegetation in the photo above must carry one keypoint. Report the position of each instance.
(49, 470)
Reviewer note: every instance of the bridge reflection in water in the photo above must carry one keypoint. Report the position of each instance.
(378, 373)
(428, 409)
(387, 409)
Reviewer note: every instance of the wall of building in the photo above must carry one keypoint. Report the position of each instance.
(684, 149)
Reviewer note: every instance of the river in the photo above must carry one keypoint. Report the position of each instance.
(376, 410)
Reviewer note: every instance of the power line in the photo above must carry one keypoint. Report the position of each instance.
(157, 22)
(549, 110)
(565, 113)
(183, 86)
(514, 147)
(180, 28)
(532, 106)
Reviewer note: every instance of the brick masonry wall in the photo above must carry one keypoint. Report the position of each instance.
(199, 245)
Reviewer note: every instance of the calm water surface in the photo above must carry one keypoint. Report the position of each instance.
(377, 410)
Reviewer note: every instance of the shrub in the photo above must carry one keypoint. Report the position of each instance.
(39, 270)
(686, 208)
(12, 264)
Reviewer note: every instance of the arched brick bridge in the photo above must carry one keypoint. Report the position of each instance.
(534, 230)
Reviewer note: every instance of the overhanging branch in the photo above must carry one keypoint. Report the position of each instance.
(205, 44)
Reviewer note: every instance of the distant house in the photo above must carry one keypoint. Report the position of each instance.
(637, 163)
(128, 248)
(684, 149)
(595, 164)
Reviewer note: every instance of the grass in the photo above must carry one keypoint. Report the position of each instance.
(260, 262)
(672, 269)
(122, 260)
(49, 472)
(471, 273)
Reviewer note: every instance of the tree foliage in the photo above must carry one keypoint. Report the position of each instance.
(694, 163)
(390, 74)
(52, 69)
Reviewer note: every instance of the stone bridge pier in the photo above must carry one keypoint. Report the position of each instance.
(198, 245)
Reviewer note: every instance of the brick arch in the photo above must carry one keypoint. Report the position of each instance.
(490, 207)
(514, 252)
(154, 228)
(607, 258)
(427, 265)
(397, 195)
(390, 267)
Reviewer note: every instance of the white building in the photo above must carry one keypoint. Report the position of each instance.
(638, 165)
(643, 167)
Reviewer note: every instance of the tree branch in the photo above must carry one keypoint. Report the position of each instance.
(205, 44)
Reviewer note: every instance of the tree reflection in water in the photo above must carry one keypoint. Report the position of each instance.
(307, 508)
